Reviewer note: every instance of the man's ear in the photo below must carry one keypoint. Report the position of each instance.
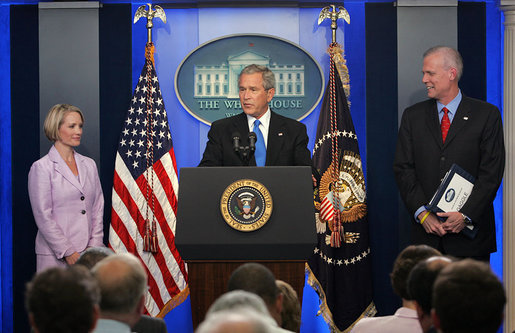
(453, 74)
(279, 302)
(270, 94)
(32, 323)
(141, 305)
(420, 312)
(96, 315)
(436, 320)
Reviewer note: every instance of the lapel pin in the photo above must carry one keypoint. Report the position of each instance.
(280, 134)
(465, 118)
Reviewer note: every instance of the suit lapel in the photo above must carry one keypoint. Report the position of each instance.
(433, 123)
(460, 119)
(276, 135)
(63, 169)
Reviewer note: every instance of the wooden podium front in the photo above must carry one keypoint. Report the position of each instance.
(208, 280)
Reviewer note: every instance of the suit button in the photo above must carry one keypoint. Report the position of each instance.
(442, 158)
(83, 212)
(82, 197)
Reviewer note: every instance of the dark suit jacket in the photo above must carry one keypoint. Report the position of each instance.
(148, 324)
(287, 142)
(474, 142)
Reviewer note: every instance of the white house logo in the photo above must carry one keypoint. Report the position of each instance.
(206, 81)
(449, 195)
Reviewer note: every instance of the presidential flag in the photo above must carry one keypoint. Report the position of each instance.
(340, 267)
(145, 191)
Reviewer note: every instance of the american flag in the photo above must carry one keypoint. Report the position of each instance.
(145, 187)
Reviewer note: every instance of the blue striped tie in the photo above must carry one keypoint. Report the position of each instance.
(260, 153)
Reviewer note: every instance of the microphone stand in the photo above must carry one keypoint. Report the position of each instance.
(245, 152)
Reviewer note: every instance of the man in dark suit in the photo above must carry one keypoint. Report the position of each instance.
(450, 128)
(283, 140)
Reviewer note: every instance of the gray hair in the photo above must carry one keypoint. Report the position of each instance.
(268, 75)
(226, 321)
(452, 58)
(236, 299)
(122, 281)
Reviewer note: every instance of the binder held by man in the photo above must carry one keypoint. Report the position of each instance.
(452, 194)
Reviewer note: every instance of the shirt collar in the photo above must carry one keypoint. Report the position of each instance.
(452, 106)
(264, 120)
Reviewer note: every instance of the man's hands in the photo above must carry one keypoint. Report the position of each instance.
(455, 221)
(432, 225)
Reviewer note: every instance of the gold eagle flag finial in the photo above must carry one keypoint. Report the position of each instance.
(150, 14)
(334, 15)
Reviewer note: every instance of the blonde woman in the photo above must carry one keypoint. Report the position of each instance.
(65, 193)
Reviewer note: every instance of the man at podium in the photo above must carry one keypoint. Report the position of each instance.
(257, 136)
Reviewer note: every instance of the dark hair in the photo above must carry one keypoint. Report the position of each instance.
(402, 266)
(468, 297)
(291, 307)
(256, 279)
(62, 300)
(422, 278)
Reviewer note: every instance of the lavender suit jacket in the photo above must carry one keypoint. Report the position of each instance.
(68, 211)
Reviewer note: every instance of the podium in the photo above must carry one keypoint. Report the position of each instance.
(213, 247)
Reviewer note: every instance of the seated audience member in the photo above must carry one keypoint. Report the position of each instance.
(93, 255)
(234, 321)
(468, 297)
(63, 300)
(420, 288)
(123, 283)
(258, 279)
(405, 318)
(290, 316)
(237, 299)
(146, 324)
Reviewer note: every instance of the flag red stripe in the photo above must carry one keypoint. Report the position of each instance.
(160, 217)
(127, 240)
(123, 192)
(172, 198)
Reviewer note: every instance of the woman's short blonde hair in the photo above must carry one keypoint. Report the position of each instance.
(54, 119)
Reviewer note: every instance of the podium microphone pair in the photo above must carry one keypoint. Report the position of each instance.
(245, 152)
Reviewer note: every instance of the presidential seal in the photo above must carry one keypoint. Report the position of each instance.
(246, 205)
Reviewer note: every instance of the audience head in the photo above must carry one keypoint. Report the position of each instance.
(402, 266)
(420, 287)
(93, 255)
(290, 316)
(235, 321)
(259, 280)
(55, 118)
(237, 299)
(468, 297)
(63, 300)
(123, 283)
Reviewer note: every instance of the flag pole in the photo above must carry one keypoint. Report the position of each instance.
(333, 15)
(150, 239)
(149, 15)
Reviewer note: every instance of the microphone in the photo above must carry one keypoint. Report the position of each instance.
(236, 141)
(252, 141)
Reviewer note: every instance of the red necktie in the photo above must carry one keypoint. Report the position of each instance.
(446, 123)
